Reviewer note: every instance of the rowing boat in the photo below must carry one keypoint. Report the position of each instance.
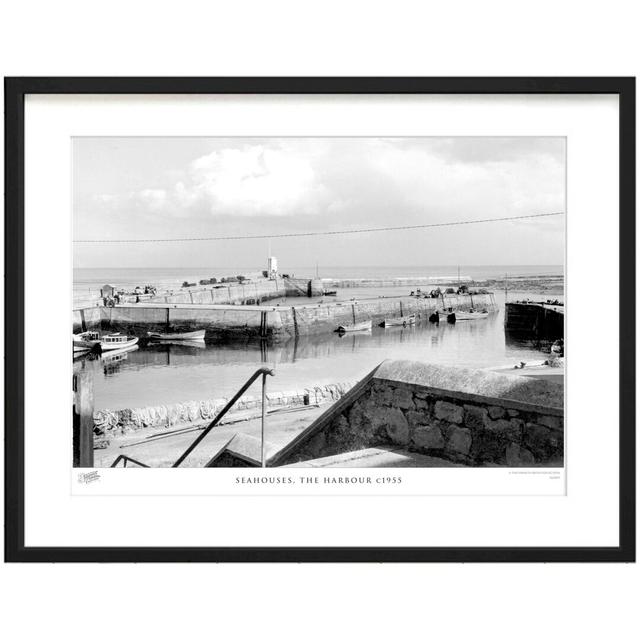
(356, 326)
(471, 315)
(191, 336)
(399, 322)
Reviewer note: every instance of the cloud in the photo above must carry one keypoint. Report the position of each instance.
(240, 186)
(155, 199)
(254, 180)
(349, 180)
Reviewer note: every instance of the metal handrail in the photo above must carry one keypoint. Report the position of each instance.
(264, 372)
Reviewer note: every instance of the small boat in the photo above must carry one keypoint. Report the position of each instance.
(330, 293)
(356, 326)
(399, 322)
(191, 336)
(470, 315)
(117, 341)
(86, 341)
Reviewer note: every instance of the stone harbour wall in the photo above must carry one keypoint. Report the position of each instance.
(121, 421)
(473, 429)
(303, 287)
(279, 323)
(226, 294)
(86, 319)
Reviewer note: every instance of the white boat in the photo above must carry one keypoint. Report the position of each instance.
(356, 326)
(116, 341)
(399, 322)
(191, 336)
(85, 341)
(471, 315)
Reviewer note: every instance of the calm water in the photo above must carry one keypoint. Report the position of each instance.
(163, 374)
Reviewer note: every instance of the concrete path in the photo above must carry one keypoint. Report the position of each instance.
(379, 457)
(163, 449)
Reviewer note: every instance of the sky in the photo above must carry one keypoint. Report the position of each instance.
(140, 188)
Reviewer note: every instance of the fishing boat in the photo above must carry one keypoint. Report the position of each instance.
(356, 326)
(399, 322)
(117, 341)
(86, 341)
(191, 336)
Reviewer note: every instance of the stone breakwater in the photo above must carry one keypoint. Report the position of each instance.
(121, 421)
(248, 292)
(466, 416)
(277, 323)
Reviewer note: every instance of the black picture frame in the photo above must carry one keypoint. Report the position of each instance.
(15, 91)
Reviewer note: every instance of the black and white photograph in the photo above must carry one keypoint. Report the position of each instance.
(336, 307)
(320, 320)
(319, 302)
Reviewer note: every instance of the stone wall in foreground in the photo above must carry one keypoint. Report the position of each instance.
(473, 417)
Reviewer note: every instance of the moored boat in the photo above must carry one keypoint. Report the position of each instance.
(191, 336)
(117, 341)
(86, 341)
(399, 322)
(472, 315)
(356, 326)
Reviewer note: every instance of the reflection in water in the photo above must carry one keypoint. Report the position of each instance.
(165, 373)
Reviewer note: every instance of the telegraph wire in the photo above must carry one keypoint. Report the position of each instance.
(322, 233)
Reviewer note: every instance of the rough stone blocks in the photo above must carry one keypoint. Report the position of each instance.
(518, 456)
(403, 398)
(497, 412)
(553, 422)
(459, 440)
(395, 423)
(542, 441)
(428, 438)
(474, 417)
(449, 411)
(511, 429)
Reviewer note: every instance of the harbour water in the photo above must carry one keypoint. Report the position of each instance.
(168, 373)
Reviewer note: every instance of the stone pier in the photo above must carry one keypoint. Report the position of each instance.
(277, 323)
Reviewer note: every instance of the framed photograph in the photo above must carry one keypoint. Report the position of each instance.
(320, 319)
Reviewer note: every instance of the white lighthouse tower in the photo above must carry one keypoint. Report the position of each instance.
(272, 267)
